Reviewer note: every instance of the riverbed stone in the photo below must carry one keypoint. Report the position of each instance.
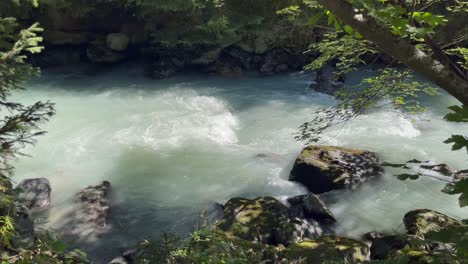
(325, 168)
(310, 206)
(34, 193)
(328, 249)
(266, 220)
(422, 221)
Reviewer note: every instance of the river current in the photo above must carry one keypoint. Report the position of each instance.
(172, 147)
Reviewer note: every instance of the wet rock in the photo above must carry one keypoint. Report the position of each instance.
(98, 52)
(422, 221)
(117, 41)
(440, 169)
(310, 206)
(460, 175)
(326, 81)
(383, 247)
(326, 168)
(94, 203)
(371, 236)
(266, 220)
(227, 69)
(328, 249)
(89, 216)
(34, 193)
(208, 57)
(24, 228)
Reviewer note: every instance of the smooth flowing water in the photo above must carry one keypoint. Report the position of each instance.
(171, 147)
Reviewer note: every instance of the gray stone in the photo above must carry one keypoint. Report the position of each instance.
(34, 193)
(310, 206)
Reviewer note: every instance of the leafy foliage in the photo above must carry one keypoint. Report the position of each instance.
(207, 245)
(19, 125)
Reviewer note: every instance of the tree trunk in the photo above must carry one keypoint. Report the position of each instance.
(401, 49)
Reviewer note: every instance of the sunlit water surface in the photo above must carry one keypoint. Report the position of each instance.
(172, 147)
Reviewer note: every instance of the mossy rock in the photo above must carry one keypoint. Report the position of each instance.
(326, 168)
(417, 256)
(328, 249)
(422, 221)
(265, 220)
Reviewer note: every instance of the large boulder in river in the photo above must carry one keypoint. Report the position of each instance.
(422, 221)
(34, 193)
(325, 168)
(328, 249)
(266, 220)
(310, 206)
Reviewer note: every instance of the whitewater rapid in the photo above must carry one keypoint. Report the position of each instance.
(172, 147)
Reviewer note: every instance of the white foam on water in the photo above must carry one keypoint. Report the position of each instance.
(171, 147)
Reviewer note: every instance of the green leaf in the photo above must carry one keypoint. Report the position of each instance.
(458, 142)
(313, 21)
(460, 114)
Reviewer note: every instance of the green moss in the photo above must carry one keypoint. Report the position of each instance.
(263, 220)
(328, 248)
(421, 222)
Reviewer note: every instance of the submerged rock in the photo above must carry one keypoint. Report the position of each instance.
(266, 220)
(311, 206)
(34, 193)
(326, 81)
(328, 249)
(326, 168)
(422, 221)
